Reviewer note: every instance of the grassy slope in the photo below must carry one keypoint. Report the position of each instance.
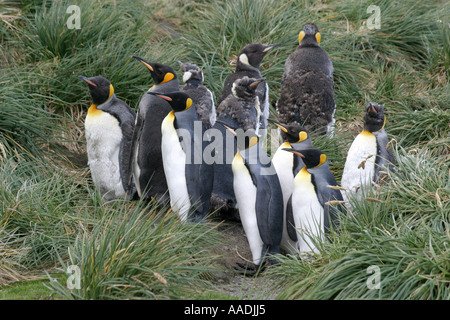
(403, 65)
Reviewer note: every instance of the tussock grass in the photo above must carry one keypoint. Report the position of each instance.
(51, 216)
(140, 254)
(409, 244)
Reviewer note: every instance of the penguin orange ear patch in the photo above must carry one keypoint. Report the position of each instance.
(169, 76)
(302, 136)
(318, 37)
(301, 35)
(188, 103)
(323, 159)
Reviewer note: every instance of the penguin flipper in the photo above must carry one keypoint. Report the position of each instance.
(385, 159)
(269, 209)
(139, 124)
(290, 223)
(325, 194)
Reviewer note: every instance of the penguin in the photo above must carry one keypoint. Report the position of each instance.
(239, 110)
(368, 157)
(307, 86)
(201, 96)
(259, 199)
(109, 127)
(188, 180)
(316, 201)
(147, 165)
(287, 166)
(247, 65)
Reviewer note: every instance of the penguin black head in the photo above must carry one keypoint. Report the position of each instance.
(100, 89)
(179, 101)
(252, 54)
(245, 87)
(161, 73)
(293, 133)
(309, 35)
(312, 158)
(191, 72)
(374, 118)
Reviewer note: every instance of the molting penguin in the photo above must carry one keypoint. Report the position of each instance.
(368, 155)
(201, 96)
(315, 202)
(239, 110)
(259, 198)
(109, 129)
(307, 87)
(189, 180)
(247, 65)
(147, 166)
(287, 166)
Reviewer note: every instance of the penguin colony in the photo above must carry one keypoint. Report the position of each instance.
(179, 147)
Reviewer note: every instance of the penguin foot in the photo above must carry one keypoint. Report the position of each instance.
(249, 269)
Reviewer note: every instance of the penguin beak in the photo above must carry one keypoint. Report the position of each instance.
(159, 95)
(278, 125)
(294, 152)
(227, 127)
(146, 63)
(270, 47)
(87, 80)
(254, 84)
(371, 108)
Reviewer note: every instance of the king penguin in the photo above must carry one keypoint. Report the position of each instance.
(259, 199)
(307, 86)
(147, 166)
(247, 65)
(287, 166)
(239, 110)
(109, 127)
(203, 102)
(315, 201)
(188, 180)
(368, 157)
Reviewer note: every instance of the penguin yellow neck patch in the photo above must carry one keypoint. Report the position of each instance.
(302, 176)
(93, 111)
(366, 133)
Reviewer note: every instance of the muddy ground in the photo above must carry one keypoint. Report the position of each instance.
(235, 249)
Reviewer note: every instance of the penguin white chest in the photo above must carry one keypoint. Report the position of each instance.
(283, 162)
(174, 163)
(245, 192)
(103, 138)
(308, 212)
(360, 164)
